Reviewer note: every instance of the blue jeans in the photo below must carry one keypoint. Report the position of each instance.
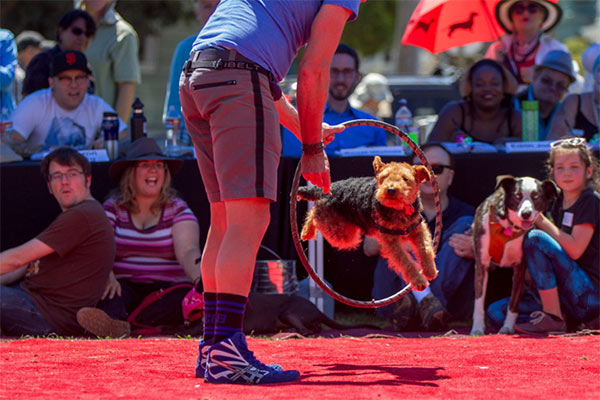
(19, 315)
(551, 267)
(453, 286)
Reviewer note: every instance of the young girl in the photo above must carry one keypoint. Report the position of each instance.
(562, 255)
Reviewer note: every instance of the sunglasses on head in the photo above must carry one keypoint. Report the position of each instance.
(571, 141)
(78, 32)
(531, 7)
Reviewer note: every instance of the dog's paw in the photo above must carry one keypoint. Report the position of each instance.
(431, 275)
(477, 331)
(419, 283)
(507, 330)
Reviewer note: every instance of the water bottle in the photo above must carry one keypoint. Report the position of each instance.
(138, 121)
(110, 127)
(5, 124)
(404, 121)
(530, 120)
(172, 130)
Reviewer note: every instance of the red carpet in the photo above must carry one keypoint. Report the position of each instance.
(455, 367)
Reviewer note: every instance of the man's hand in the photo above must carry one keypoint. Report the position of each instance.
(328, 132)
(315, 168)
(112, 287)
(462, 243)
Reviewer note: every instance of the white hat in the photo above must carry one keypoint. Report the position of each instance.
(373, 86)
(553, 14)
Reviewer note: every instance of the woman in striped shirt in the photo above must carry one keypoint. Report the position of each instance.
(156, 234)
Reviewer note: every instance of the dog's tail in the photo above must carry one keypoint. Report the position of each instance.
(310, 193)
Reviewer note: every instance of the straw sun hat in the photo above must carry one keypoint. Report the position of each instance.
(144, 148)
(552, 10)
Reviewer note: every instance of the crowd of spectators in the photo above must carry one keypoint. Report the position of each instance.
(56, 95)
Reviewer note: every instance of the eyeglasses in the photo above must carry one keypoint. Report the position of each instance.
(438, 168)
(78, 32)
(66, 80)
(150, 165)
(346, 72)
(520, 8)
(570, 141)
(560, 86)
(70, 175)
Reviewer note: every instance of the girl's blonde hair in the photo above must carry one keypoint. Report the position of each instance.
(585, 154)
(125, 194)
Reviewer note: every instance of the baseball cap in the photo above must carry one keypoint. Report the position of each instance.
(67, 60)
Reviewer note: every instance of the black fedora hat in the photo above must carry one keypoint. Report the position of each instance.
(144, 148)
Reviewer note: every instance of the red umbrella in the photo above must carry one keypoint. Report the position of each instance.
(440, 25)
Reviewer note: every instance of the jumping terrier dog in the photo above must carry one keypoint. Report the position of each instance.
(499, 227)
(386, 207)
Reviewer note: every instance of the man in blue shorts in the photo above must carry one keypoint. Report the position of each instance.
(232, 108)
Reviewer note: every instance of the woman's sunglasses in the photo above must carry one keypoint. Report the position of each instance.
(78, 32)
(531, 7)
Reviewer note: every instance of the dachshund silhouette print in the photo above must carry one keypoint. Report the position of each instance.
(467, 25)
(424, 25)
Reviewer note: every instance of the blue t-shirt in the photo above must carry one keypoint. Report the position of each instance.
(266, 31)
(351, 137)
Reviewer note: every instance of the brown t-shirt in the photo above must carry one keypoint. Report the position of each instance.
(75, 275)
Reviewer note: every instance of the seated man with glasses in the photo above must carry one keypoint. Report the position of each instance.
(451, 294)
(64, 114)
(551, 80)
(64, 268)
(344, 76)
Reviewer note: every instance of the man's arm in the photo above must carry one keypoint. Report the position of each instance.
(124, 100)
(313, 81)
(19, 256)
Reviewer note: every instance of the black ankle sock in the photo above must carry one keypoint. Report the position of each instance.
(210, 308)
(229, 317)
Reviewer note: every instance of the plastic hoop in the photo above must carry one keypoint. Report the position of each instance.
(296, 236)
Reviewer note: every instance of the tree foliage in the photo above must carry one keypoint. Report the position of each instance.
(147, 17)
(373, 31)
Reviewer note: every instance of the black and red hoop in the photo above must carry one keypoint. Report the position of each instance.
(296, 236)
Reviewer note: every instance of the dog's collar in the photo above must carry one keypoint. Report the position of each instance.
(401, 232)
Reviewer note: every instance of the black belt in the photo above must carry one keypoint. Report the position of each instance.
(214, 58)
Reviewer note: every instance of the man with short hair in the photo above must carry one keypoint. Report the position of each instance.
(343, 78)
(551, 80)
(63, 114)
(66, 266)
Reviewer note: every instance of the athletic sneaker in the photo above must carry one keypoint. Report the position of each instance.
(230, 361)
(203, 358)
(98, 323)
(542, 323)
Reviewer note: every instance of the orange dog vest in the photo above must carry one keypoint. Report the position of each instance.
(499, 235)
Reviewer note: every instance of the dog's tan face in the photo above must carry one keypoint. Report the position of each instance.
(398, 183)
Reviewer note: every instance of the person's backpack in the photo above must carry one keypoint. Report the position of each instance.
(155, 316)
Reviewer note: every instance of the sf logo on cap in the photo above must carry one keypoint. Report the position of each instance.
(71, 58)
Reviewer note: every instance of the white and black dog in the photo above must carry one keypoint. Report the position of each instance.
(499, 226)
